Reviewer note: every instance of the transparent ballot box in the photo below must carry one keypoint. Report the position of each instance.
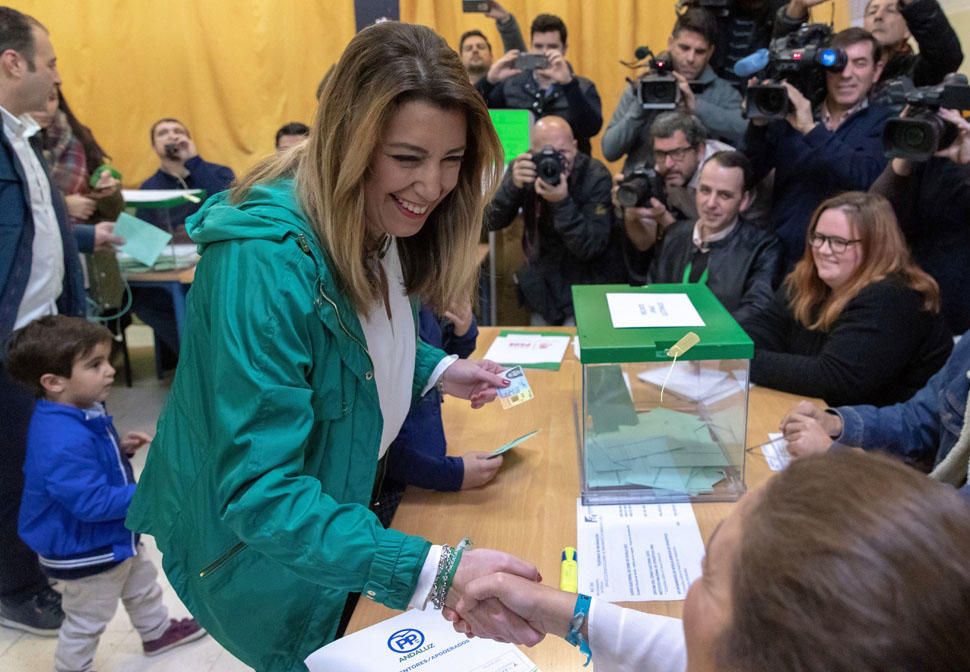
(653, 427)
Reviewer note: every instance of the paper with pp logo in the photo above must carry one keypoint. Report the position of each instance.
(417, 640)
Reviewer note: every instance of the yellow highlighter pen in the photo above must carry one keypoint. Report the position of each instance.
(569, 571)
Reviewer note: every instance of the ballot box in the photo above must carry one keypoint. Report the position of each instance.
(663, 400)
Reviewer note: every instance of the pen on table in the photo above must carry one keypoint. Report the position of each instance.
(569, 571)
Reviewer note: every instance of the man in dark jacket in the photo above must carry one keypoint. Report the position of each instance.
(892, 23)
(550, 91)
(40, 274)
(181, 168)
(713, 100)
(740, 262)
(819, 153)
(569, 234)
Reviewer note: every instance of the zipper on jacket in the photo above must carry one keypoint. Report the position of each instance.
(219, 562)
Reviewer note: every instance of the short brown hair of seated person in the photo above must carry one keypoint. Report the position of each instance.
(884, 252)
(854, 562)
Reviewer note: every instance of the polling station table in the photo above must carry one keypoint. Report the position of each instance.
(529, 510)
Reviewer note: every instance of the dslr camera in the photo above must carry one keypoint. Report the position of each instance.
(922, 133)
(550, 165)
(531, 62)
(801, 58)
(637, 187)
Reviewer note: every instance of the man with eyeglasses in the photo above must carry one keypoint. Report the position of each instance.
(817, 153)
(892, 23)
(738, 261)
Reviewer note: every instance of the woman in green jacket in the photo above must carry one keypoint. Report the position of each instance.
(301, 359)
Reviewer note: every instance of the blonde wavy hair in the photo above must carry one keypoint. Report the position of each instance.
(384, 67)
(884, 252)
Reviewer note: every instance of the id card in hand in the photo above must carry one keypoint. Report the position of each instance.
(518, 391)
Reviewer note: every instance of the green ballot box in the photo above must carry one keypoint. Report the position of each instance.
(659, 423)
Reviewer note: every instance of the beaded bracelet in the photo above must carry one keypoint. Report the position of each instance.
(438, 590)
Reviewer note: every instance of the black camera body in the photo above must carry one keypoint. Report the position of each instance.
(550, 165)
(637, 187)
(658, 90)
(920, 135)
(531, 62)
(801, 58)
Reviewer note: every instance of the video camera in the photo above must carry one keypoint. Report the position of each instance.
(636, 188)
(550, 165)
(657, 90)
(801, 58)
(715, 7)
(922, 133)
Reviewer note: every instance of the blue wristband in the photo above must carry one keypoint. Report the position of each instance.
(575, 635)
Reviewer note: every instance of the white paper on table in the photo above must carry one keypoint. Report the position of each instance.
(776, 452)
(652, 310)
(694, 382)
(637, 552)
(416, 640)
(527, 349)
(136, 196)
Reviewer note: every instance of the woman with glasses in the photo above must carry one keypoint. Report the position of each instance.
(856, 321)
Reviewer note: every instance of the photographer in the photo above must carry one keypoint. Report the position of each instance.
(892, 23)
(553, 90)
(712, 99)
(819, 153)
(931, 200)
(740, 262)
(476, 51)
(568, 232)
(743, 27)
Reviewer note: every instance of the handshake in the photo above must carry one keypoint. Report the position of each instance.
(497, 596)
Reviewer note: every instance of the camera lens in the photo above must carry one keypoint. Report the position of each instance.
(913, 136)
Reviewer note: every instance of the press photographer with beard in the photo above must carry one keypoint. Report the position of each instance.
(568, 236)
(715, 102)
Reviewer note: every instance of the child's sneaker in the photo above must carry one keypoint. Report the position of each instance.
(179, 632)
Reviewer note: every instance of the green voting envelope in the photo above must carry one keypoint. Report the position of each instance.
(143, 241)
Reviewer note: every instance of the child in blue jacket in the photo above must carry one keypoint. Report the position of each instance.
(78, 484)
(418, 454)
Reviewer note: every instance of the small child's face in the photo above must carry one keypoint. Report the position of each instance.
(91, 378)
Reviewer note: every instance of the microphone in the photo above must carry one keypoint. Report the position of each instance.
(752, 64)
(641, 53)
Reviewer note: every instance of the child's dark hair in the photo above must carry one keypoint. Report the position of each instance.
(51, 344)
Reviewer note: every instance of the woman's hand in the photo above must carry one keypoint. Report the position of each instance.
(475, 380)
(80, 207)
(479, 469)
(544, 608)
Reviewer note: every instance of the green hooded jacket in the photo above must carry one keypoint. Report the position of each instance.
(258, 481)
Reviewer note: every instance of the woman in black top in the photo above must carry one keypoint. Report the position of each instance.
(856, 322)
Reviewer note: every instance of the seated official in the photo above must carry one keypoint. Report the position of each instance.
(568, 235)
(555, 90)
(291, 134)
(818, 153)
(892, 23)
(932, 200)
(181, 168)
(716, 103)
(846, 562)
(740, 262)
(856, 322)
(928, 431)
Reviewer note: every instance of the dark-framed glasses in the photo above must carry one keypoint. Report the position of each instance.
(836, 243)
(677, 154)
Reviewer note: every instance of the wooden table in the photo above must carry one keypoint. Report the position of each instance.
(529, 510)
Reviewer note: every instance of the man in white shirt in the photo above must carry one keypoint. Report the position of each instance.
(40, 274)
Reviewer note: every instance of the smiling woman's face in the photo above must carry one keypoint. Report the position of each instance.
(415, 166)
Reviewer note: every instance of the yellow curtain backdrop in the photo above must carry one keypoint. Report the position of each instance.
(233, 70)
(236, 70)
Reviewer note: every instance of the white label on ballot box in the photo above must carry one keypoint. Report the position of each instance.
(652, 310)
(417, 640)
